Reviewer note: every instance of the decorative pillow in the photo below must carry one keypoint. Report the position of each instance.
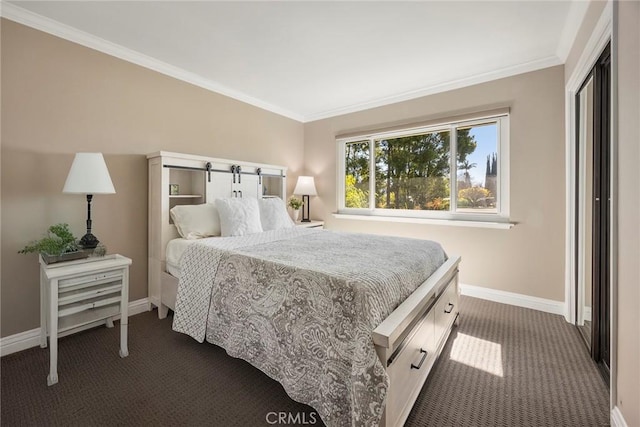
(239, 216)
(196, 221)
(273, 214)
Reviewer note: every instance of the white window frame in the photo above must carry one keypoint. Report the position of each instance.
(502, 207)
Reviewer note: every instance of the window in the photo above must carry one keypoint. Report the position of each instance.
(411, 173)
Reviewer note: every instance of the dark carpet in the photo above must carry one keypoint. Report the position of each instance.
(503, 366)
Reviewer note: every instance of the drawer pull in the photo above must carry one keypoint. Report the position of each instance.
(424, 356)
(450, 309)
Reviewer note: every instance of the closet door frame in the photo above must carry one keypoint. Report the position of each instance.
(604, 32)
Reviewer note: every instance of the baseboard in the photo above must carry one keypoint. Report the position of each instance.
(138, 306)
(19, 342)
(617, 420)
(519, 300)
(31, 338)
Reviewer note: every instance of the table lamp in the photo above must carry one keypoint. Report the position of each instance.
(305, 187)
(89, 175)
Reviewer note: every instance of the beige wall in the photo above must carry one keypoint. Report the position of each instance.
(0, 159)
(628, 366)
(527, 259)
(59, 98)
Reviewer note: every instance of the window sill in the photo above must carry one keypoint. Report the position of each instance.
(430, 221)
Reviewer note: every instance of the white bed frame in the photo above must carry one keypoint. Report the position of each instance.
(408, 341)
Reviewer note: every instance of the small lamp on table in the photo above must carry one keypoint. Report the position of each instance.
(305, 187)
(89, 175)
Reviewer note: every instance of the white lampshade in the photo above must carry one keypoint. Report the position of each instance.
(305, 186)
(89, 175)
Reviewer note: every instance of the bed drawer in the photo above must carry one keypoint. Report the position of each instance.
(446, 309)
(409, 369)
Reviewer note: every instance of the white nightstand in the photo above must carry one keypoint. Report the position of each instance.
(312, 224)
(81, 293)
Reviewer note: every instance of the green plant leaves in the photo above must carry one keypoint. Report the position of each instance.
(59, 239)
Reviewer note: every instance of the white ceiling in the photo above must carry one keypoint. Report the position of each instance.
(309, 60)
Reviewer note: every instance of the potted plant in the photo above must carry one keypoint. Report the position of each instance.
(295, 204)
(58, 245)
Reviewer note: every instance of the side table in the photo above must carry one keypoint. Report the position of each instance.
(80, 293)
(310, 224)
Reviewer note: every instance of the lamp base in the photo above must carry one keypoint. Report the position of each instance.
(305, 208)
(89, 241)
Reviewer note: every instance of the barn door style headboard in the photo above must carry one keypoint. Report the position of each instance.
(178, 179)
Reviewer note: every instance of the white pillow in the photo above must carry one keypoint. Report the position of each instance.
(196, 221)
(273, 214)
(239, 216)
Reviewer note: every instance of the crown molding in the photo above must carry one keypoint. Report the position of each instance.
(442, 87)
(600, 36)
(572, 24)
(25, 17)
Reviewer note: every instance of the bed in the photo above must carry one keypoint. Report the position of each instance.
(349, 324)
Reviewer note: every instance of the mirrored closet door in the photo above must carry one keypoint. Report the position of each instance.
(593, 106)
(585, 194)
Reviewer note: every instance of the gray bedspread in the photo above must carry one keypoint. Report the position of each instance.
(301, 305)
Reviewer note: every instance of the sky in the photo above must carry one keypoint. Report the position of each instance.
(486, 138)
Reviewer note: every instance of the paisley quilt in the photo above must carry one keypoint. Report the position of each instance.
(301, 305)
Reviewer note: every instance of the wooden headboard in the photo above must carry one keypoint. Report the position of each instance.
(176, 178)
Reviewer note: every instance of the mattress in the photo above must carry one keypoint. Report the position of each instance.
(175, 250)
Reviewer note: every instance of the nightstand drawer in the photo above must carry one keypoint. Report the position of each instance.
(87, 305)
(90, 279)
(86, 294)
(87, 316)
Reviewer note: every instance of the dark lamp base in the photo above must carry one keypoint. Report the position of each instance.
(305, 208)
(89, 241)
